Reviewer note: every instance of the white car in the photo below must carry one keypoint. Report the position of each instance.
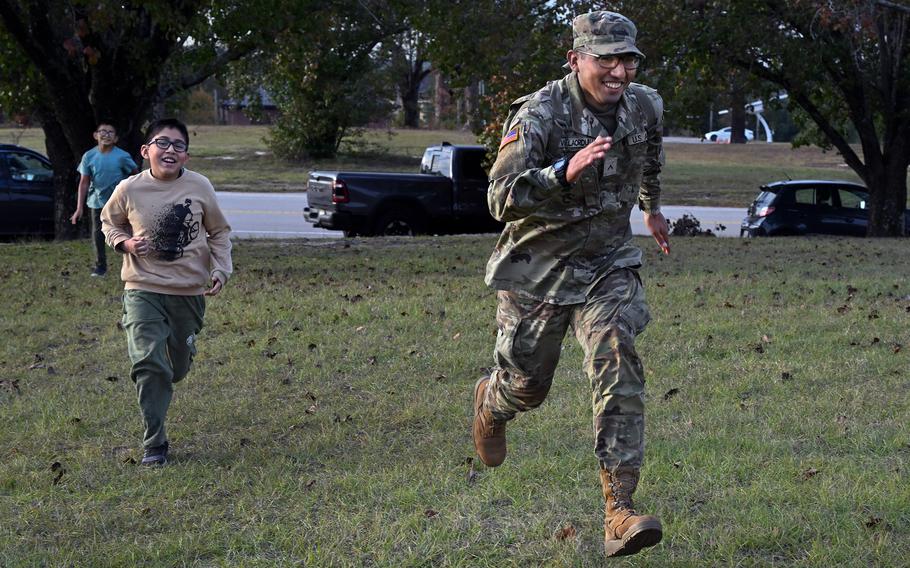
(723, 135)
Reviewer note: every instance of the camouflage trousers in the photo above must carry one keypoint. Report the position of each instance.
(528, 346)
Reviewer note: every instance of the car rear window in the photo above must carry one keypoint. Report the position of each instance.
(764, 199)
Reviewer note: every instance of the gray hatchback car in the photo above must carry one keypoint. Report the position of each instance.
(800, 207)
(26, 192)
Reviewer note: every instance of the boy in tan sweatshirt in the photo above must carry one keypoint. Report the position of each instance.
(175, 241)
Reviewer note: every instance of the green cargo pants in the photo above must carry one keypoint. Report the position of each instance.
(161, 340)
(528, 347)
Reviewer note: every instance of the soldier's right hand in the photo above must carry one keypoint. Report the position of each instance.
(587, 156)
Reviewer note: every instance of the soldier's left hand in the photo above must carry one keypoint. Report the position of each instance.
(657, 226)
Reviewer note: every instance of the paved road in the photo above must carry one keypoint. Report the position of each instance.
(269, 215)
(280, 215)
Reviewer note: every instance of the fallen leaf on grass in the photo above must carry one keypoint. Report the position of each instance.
(677, 465)
(765, 339)
(312, 409)
(896, 347)
(456, 336)
(565, 533)
(309, 484)
(671, 393)
(872, 522)
(312, 346)
(809, 473)
(430, 513)
(111, 379)
(372, 360)
(785, 376)
(440, 378)
(59, 469)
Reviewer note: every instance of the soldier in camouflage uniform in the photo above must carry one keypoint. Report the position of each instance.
(575, 157)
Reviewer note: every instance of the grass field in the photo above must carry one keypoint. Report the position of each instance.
(721, 175)
(326, 421)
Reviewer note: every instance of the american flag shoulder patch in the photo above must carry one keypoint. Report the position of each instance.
(511, 136)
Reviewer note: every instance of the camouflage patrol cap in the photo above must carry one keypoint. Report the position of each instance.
(604, 33)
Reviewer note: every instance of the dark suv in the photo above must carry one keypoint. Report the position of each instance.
(801, 207)
(26, 192)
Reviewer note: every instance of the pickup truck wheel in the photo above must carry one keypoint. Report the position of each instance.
(404, 222)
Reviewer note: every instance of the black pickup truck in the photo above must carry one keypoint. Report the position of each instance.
(449, 195)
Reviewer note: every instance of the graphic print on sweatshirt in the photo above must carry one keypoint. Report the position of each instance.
(174, 228)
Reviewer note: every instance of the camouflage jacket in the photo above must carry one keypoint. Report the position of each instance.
(559, 242)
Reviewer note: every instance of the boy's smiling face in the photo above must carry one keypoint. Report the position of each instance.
(105, 135)
(166, 163)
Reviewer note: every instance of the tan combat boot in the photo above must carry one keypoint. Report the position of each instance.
(626, 532)
(489, 436)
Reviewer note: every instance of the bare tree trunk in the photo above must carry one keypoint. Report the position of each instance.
(737, 116)
(887, 183)
(66, 179)
(442, 101)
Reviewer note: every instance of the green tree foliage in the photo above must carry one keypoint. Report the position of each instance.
(406, 54)
(74, 63)
(844, 63)
(326, 76)
(513, 46)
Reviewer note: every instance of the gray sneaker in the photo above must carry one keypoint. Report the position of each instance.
(156, 455)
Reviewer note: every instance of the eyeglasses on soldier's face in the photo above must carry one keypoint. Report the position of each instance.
(106, 132)
(629, 60)
(164, 143)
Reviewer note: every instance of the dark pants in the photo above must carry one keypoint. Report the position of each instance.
(98, 240)
(161, 339)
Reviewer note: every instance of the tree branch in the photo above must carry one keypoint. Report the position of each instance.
(805, 102)
(194, 78)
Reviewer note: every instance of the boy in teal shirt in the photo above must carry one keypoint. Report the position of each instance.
(101, 168)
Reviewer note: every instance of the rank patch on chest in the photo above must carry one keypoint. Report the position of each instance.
(511, 136)
(636, 138)
(576, 143)
(609, 166)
